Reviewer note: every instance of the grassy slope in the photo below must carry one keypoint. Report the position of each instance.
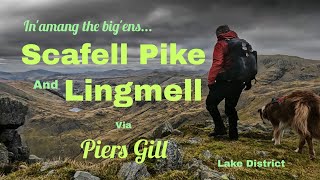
(245, 148)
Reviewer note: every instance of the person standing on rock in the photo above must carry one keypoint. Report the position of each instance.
(233, 68)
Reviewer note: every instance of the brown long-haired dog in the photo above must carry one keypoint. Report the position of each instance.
(301, 111)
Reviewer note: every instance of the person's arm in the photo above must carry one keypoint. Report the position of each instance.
(217, 62)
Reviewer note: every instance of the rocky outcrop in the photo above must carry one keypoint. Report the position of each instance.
(12, 116)
(4, 156)
(174, 158)
(133, 171)
(12, 113)
(203, 172)
(12, 140)
(163, 130)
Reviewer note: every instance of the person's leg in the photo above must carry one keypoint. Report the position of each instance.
(231, 102)
(216, 95)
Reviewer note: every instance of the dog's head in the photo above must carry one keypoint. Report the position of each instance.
(269, 111)
(263, 115)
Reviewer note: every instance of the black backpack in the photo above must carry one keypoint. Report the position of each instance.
(244, 61)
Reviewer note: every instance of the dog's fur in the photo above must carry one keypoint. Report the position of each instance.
(301, 111)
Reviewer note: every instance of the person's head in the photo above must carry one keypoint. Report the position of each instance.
(222, 29)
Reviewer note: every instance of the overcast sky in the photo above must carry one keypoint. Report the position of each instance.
(288, 27)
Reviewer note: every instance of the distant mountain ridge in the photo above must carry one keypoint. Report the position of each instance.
(287, 68)
(41, 74)
(27, 74)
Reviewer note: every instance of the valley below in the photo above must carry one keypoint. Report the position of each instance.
(54, 129)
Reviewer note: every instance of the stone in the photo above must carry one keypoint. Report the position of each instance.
(194, 140)
(34, 159)
(206, 154)
(262, 153)
(174, 158)
(203, 172)
(75, 110)
(209, 174)
(194, 165)
(163, 130)
(83, 175)
(133, 171)
(51, 165)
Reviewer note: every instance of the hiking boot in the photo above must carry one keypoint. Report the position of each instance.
(217, 133)
(233, 135)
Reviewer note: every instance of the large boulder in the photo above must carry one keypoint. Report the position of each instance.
(133, 171)
(174, 158)
(12, 113)
(12, 116)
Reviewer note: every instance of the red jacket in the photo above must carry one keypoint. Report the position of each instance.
(219, 61)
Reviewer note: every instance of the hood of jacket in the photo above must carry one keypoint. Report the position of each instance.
(227, 35)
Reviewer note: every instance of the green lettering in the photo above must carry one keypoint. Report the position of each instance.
(69, 92)
(34, 56)
(147, 51)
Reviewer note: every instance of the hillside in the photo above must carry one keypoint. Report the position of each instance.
(52, 130)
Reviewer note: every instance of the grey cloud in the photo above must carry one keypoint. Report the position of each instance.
(272, 26)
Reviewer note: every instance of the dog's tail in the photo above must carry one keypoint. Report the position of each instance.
(300, 121)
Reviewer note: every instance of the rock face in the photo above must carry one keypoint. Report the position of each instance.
(133, 171)
(12, 113)
(4, 156)
(12, 116)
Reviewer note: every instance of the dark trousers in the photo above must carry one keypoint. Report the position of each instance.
(230, 91)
